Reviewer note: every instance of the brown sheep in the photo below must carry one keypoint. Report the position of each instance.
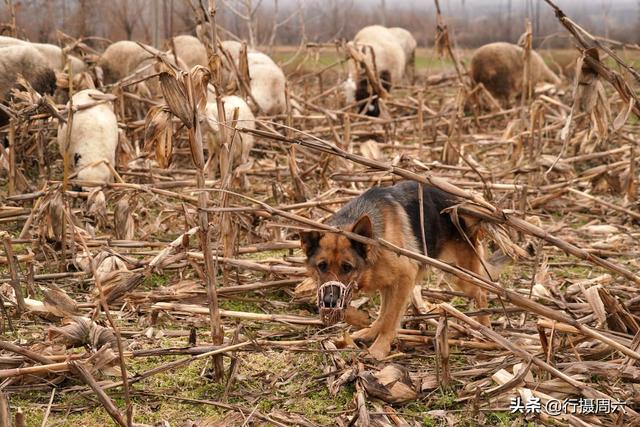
(500, 67)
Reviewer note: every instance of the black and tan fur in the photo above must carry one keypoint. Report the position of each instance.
(393, 214)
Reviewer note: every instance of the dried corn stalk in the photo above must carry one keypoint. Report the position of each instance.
(186, 97)
(158, 133)
(124, 223)
(391, 384)
(527, 81)
(443, 43)
(83, 331)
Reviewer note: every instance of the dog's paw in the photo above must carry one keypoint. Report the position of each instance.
(485, 321)
(379, 351)
(364, 334)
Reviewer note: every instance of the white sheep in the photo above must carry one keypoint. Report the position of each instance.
(232, 48)
(122, 58)
(53, 54)
(242, 142)
(191, 51)
(409, 44)
(9, 41)
(268, 83)
(267, 80)
(55, 58)
(389, 61)
(93, 139)
(28, 62)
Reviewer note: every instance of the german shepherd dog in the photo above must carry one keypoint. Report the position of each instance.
(393, 214)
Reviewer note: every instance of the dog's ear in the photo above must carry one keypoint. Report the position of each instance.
(309, 241)
(363, 227)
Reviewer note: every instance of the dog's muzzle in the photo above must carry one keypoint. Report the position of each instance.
(333, 299)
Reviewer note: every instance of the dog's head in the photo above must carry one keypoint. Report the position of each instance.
(332, 256)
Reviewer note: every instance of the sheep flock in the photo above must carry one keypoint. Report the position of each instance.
(168, 182)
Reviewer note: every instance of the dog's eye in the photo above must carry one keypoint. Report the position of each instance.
(322, 266)
(346, 268)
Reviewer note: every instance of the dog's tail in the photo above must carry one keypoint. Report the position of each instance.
(497, 262)
(499, 235)
(476, 230)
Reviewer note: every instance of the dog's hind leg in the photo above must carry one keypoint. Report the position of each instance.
(463, 255)
(479, 295)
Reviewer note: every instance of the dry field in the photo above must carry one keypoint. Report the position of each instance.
(565, 317)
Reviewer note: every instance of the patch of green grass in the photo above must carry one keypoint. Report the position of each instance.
(459, 302)
(83, 413)
(418, 410)
(574, 271)
(315, 405)
(429, 60)
(267, 254)
(184, 382)
(324, 57)
(457, 356)
(156, 280)
(446, 400)
(240, 305)
(505, 419)
(578, 222)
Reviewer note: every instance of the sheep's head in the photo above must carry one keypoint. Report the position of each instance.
(363, 91)
(45, 82)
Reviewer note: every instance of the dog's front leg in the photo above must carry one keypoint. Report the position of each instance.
(397, 298)
(371, 332)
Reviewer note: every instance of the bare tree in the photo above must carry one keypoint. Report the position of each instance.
(605, 6)
(509, 20)
(86, 9)
(277, 24)
(128, 15)
(247, 14)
